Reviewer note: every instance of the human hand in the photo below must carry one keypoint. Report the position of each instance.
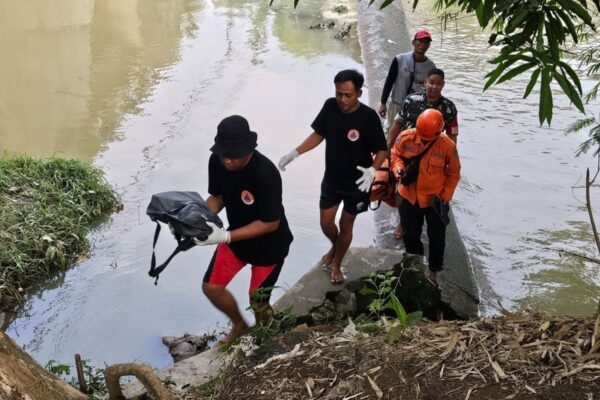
(382, 110)
(218, 235)
(288, 158)
(367, 178)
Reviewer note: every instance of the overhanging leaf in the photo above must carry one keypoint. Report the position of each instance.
(569, 90)
(385, 4)
(532, 82)
(516, 71)
(545, 107)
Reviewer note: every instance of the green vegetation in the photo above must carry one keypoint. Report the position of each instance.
(276, 324)
(341, 9)
(383, 287)
(532, 37)
(94, 377)
(46, 210)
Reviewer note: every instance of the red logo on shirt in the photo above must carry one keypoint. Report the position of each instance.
(247, 198)
(353, 135)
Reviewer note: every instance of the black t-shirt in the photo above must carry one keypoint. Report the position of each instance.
(350, 140)
(251, 194)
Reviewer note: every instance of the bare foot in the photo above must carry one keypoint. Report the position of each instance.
(336, 277)
(398, 233)
(236, 332)
(327, 259)
(432, 275)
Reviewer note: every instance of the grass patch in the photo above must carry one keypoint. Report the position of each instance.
(341, 9)
(46, 210)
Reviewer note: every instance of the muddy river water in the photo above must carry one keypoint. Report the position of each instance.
(138, 87)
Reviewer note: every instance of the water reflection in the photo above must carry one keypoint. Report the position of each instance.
(72, 69)
(108, 309)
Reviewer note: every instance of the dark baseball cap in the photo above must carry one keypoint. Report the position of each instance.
(234, 138)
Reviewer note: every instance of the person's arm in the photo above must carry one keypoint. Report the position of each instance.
(214, 203)
(379, 158)
(253, 229)
(452, 176)
(312, 141)
(394, 131)
(397, 164)
(452, 128)
(387, 86)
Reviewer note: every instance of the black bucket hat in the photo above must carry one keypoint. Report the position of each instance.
(234, 138)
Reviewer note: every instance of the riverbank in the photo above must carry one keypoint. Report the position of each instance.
(47, 208)
(513, 356)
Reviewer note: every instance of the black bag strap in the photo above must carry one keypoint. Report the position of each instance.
(418, 157)
(411, 76)
(181, 245)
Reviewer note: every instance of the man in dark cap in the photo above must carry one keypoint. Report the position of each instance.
(248, 186)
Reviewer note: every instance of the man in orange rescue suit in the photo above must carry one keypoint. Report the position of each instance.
(437, 175)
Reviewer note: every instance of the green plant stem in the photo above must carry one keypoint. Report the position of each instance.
(588, 203)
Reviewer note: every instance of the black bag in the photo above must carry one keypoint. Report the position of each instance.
(411, 170)
(187, 213)
(411, 166)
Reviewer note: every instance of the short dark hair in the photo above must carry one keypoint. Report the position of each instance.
(350, 75)
(436, 71)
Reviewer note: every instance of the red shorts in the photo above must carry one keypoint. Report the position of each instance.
(225, 265)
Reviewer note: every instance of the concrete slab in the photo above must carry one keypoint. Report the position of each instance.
(310, 290)
(190, 372)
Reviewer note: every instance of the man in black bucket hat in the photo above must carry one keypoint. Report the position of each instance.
(248, 185)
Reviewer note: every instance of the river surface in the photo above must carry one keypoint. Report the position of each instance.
(138, 88)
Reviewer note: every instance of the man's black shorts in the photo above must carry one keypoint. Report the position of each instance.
(355, 202)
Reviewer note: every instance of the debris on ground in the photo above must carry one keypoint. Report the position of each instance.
(514, 356)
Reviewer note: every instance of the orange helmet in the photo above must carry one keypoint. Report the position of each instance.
(429, 124)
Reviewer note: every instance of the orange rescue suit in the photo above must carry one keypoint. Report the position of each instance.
(439, 170)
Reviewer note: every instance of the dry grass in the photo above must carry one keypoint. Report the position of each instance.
(514, 356)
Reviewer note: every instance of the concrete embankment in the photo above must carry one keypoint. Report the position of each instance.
(382, 35)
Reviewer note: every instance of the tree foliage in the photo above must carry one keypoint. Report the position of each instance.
(534, 37)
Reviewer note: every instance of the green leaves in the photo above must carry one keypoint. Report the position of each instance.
(546, 102)
(394, 305)
(385, 4)
(382, 289)
(535, 35)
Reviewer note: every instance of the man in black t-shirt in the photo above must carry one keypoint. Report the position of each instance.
(248, 186)
(352, 132)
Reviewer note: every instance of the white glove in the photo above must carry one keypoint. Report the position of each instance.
(367, 178)
(288, 158)
(218, 235)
